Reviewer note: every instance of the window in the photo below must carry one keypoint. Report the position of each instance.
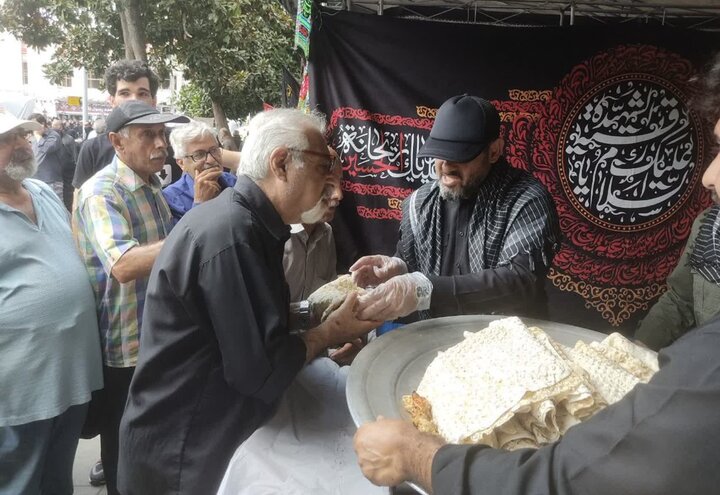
(93, 81)
(66, 82)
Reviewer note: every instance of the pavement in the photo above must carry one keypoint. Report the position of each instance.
(88, 453)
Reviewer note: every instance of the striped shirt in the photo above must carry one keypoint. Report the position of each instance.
(116, 211)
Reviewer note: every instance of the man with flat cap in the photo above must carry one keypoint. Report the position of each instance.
(121, 221)
(479, 239)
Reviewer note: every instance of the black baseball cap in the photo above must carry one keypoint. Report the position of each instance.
(463, 128)
(138, 112)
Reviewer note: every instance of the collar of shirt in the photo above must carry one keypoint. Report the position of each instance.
(31, 186)
(132, 181)
(246, 191)
(298, 230)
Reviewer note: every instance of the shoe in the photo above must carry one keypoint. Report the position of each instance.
(97, 475)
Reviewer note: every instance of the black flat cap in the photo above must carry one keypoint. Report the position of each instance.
(138, 112)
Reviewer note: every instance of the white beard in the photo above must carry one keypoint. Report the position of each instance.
(19, 170)
(314, 214)
(450, 194)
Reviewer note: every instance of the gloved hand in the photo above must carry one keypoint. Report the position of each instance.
(399, 296)
(376, 269)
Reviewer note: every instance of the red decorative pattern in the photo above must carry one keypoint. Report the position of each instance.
(376, 190)
(379, 118)
(594, 261)
(379, 213)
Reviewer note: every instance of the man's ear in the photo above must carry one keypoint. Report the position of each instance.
(496, 149)
(116, 140)
(279, 160)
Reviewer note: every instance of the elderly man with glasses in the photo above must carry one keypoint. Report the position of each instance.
(216, 354)
(198, 153)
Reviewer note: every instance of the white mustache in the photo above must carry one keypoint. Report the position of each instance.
(155, 156)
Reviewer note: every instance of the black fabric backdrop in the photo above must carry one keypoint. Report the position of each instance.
(600, 115)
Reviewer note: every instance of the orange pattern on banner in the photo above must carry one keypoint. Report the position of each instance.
(615, 304)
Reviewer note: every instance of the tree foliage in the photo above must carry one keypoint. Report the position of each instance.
(231, 50)
(194, 101)
(85, 33)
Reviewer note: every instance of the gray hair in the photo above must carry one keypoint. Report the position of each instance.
(99, 126)
(272, 129)
(184, 134)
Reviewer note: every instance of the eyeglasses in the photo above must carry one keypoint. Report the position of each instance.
(329, 166)
(201, 155)
(10, 137)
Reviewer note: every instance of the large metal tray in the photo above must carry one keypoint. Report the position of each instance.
(393, 364)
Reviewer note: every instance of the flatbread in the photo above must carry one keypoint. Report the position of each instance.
(510, 386)
(330, 296)
(505, 370)
(610, 379)
(646, 356)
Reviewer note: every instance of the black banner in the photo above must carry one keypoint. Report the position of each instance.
(600, 115)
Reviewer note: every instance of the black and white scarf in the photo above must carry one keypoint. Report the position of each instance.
(513, 214)
(705, 255)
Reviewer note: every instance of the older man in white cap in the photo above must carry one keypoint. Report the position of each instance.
(479, 239)
(49, 339)
(121, 221)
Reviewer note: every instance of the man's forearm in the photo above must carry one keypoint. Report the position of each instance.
(316, 340)
(419, 459)
(230, 159)
(136, 262)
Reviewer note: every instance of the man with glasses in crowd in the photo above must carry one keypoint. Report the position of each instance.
(199, 155)
(216, 354)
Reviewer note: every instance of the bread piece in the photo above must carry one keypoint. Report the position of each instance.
(330, 296)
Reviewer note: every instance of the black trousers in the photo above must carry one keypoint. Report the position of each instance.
(117, 385)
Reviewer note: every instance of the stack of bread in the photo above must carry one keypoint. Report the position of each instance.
(510, 386)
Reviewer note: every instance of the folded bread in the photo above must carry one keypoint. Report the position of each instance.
(510, 386)
(330, 296)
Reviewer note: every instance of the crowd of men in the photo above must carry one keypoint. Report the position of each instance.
(165, 328)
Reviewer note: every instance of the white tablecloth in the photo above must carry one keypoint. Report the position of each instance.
(306, 448)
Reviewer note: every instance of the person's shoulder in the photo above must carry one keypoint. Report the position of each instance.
(97, 142)
(103, 182)
(39, 189)
(177, 189)
(229, 178)
(423, 190)
(36, 186)
(523, 182)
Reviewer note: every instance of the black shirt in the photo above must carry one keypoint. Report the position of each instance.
(215, 353)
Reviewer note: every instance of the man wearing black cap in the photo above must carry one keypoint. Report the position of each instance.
(121, 221)
(479, 239)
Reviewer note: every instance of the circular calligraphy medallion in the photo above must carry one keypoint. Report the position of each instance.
(627, 152)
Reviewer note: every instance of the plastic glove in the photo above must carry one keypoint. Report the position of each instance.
(376, 269)
(399, 296)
